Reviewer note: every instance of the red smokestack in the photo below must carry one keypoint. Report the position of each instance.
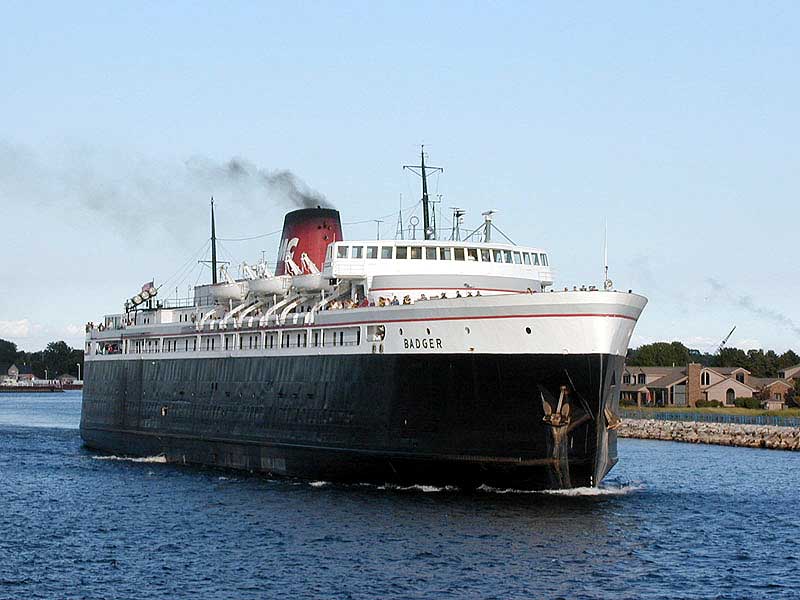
(308, 230)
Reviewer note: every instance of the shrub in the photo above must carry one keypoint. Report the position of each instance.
(709, 404)
(747, 402)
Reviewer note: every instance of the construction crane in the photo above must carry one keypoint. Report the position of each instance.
(725, 340)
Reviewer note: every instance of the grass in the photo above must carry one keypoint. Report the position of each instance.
(788, 412)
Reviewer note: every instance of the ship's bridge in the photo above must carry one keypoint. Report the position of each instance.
(395, 267)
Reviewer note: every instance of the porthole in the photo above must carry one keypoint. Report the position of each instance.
(528, 330)
(428, 330)
(466, 329)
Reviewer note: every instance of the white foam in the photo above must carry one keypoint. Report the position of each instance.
(428, 489)
(319, 484)
(603, 490)
(144, 459)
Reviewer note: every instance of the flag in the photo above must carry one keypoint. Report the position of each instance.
(148, 286)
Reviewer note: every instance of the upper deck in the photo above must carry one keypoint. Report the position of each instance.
(429, 259)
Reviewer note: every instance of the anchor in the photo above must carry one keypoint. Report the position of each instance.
(557, 446)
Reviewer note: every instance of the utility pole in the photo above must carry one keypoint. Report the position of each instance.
(378, 224)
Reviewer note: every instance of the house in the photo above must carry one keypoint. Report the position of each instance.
(67, 378)
(773, 391)
(685, 386)
(23, 373)
(790, 374)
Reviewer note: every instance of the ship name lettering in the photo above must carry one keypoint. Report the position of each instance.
(426, 343)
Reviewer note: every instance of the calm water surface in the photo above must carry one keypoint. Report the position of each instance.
(674, 521)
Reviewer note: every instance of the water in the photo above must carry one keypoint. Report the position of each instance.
(674, 521)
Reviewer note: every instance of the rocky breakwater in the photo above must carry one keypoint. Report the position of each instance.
(724, 434)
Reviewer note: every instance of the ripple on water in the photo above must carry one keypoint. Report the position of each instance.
(673, 521)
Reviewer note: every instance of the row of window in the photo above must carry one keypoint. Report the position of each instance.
(441, 253)
(288, 339)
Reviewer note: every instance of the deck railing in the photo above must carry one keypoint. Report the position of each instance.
(711, 417)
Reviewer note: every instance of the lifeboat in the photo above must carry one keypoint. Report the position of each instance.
(269, 286)
(313, 282)
(228, 291)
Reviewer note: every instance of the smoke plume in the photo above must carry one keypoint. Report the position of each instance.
(748, 304)
(131, 194)
(280, 183)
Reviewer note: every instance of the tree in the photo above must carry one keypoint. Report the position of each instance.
(660, 354)
(8, 353)
(59, 358)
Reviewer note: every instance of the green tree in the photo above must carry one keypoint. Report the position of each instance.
(660, 354)
(59, 358)
(8, 353)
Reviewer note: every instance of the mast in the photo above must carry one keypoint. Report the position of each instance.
(426, 221)
(213, 245)
(428, 230)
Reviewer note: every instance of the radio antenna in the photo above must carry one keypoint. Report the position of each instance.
(607, 283)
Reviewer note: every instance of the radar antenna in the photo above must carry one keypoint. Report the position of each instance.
(458, 220)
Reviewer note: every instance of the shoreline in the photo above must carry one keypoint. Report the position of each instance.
(771, 437)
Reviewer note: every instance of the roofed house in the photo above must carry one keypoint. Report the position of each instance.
(790, 373)
(23, 373)
(685, 386)
(772, 391)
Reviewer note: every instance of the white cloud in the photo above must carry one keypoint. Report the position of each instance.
(74, 330)
(15, 329)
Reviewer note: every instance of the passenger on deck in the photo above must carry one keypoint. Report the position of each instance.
(423, 297)
(458, 293)
(395, 301)
(364, 302)
(478, 293)
(443, 296)
(406, 299)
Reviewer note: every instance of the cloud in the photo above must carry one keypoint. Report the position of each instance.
(74, 330)
(747, 303)
(15, 329)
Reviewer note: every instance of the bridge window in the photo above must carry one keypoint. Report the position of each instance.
(486, 255)
(358, 252)
(507, 256)
(416, 252)
(526, 258)
(445, 254)
(498, 256)
(372, 252)
(341, 251)
(517, 258)
(458, 253)
(430, 253)
(544, 259)
(535, 258)
(472, 254)
(386, 251)
(402, 252)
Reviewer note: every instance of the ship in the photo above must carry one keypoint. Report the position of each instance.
(435, 361)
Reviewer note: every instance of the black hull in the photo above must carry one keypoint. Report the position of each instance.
(462, 420)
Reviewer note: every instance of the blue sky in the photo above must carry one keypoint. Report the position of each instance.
(675, 121)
